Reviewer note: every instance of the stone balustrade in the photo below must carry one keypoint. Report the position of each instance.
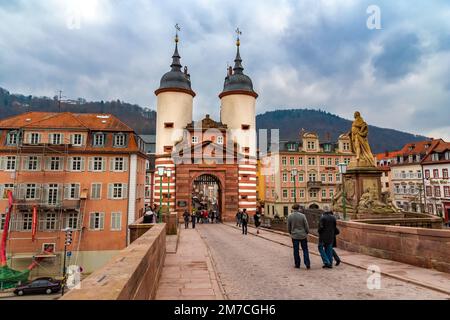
(423, 247)
(133, 274)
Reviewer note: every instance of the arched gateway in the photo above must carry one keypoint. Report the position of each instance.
(207, 193)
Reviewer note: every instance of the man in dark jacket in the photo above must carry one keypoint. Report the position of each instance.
(186, 217)
(298, 229)
(327, 227)
(244, 221)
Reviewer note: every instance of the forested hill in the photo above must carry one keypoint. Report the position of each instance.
(143, 120)
(290, 123)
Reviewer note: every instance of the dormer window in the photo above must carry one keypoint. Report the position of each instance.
(291, 147)
(311, 145)
(77, 139)
(120, 140)
(34, 138)
(12, 138)
(435, 157)
(447, 155)
(55, 138)
(98, 139)
(410, 158)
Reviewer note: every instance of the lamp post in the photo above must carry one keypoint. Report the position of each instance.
(342, 170)
(160, 174)
(294, 174)
(169, 174)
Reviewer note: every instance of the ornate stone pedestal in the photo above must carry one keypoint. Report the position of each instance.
(364, 199)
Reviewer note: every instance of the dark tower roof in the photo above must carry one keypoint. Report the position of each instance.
(175, 79)
(236, 81)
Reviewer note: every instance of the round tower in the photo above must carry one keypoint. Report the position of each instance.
(174, 105)
(238, 112)
(174, 111)
(237, 108)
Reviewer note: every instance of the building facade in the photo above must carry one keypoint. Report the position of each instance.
(436, 168)
(317, 175)
(150, 148)
(85, 172)
(383, 162)
(407, 182)
(219, 154)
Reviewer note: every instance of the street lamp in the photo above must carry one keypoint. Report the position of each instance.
(160, 174)
(342, 170)
(294, 174)
(169, 174)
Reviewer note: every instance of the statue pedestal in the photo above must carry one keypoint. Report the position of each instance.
(363, 192)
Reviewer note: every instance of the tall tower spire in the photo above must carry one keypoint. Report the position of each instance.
(238, 69)
(176, 63)
(176, 79)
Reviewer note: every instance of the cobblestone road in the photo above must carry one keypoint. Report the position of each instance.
(250, 267)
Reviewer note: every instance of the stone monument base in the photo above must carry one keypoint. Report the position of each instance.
(363, 194)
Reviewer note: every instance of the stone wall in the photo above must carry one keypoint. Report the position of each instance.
(133, 274)
(428, 248)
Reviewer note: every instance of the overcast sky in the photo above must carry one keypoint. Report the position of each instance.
(305, 53)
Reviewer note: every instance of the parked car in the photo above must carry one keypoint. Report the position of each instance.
(39, 286)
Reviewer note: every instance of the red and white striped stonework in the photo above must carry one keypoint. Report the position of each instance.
(168, 184)
(247, 186)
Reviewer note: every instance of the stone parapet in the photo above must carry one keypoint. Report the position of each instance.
(133, 274)
(423, 247)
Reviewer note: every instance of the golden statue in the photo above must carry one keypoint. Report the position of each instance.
(360, 143)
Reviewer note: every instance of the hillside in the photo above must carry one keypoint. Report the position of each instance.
(141, 120)
(290, 122)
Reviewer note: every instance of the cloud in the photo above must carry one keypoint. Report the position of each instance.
(307, 53)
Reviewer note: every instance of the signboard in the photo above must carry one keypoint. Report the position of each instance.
(182, 204)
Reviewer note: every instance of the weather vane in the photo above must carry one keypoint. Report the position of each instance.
(177, 28)
(238, 32)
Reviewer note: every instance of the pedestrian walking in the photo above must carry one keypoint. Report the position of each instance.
(244, 221)
(193, 218)
(198, 215)
(257, 219)
(186, 217)
(335, 255)
(327, 229)
(298, 228)
(238, 218)
(212, 216)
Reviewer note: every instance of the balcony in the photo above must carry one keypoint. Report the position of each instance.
(25, 205)
(314, 184)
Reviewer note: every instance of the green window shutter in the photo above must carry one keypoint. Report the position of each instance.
(124, 191)
(125, 164)
(102, 220)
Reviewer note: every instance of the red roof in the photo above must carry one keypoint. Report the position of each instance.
(419, 147)
(65, 120)
(440, 147)
(387, 155)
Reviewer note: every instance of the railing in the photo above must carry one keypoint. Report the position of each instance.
(25, 204)
(314, 184)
